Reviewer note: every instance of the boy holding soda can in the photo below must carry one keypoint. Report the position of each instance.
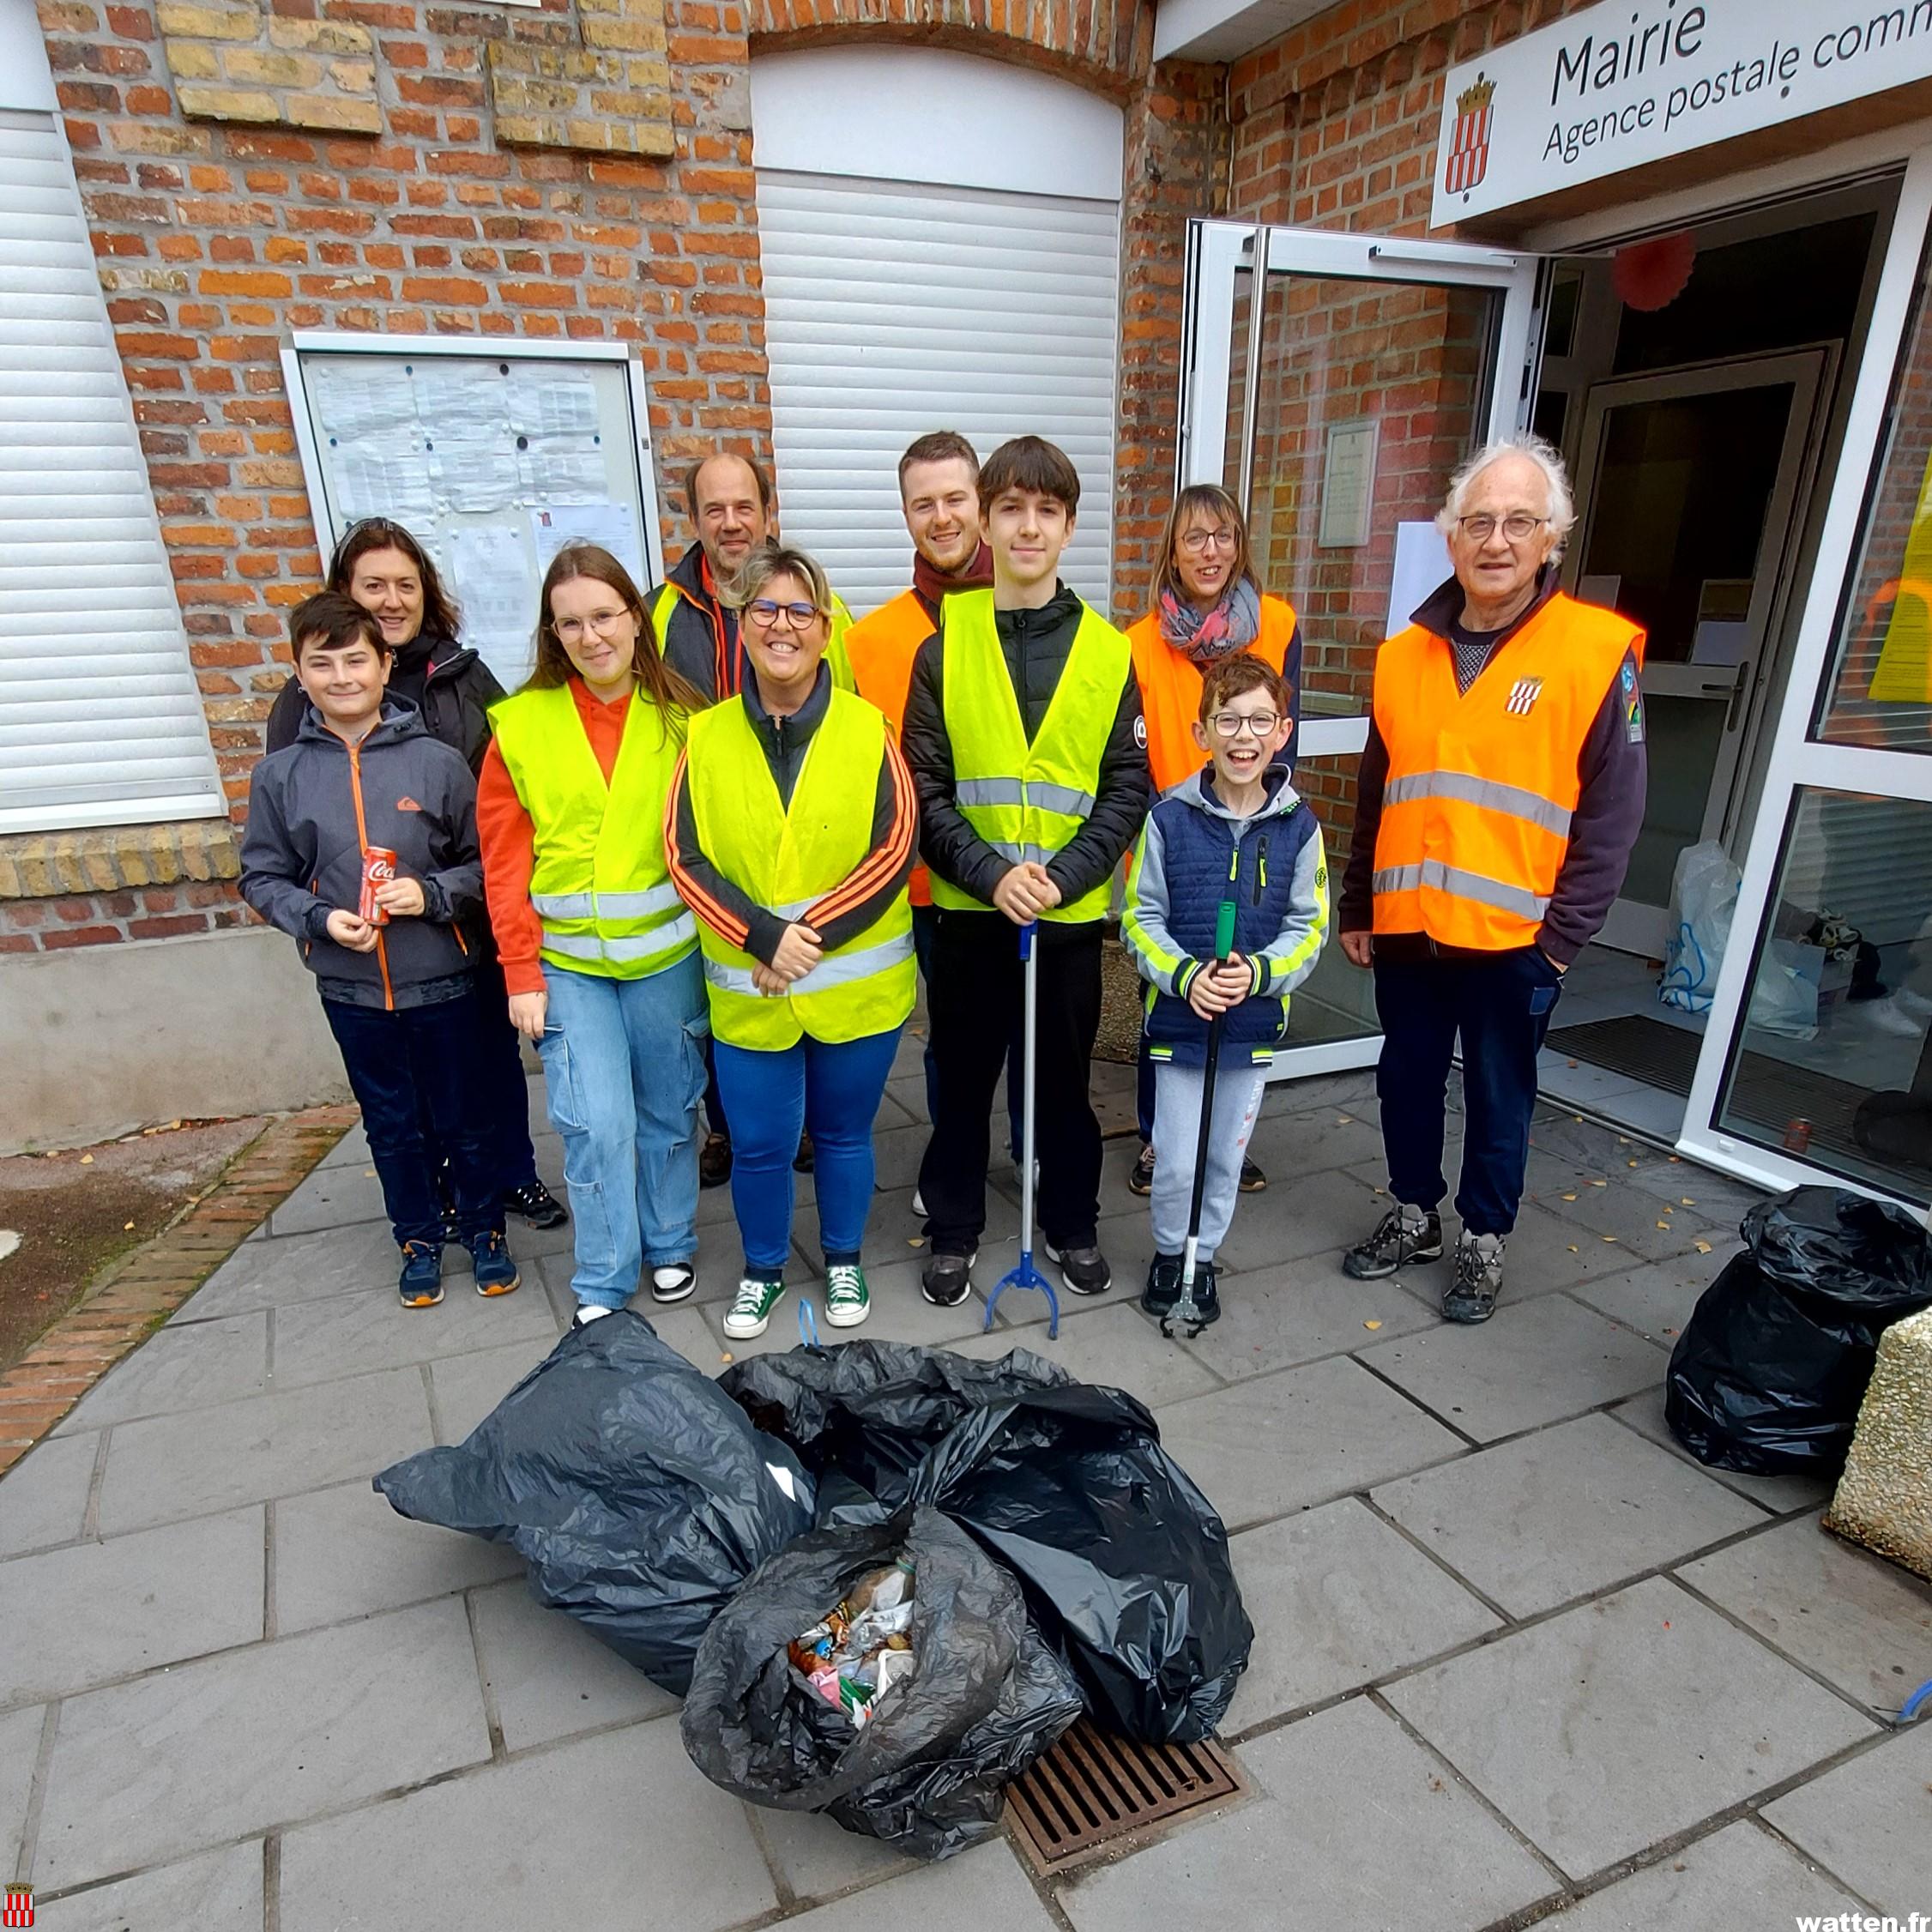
(367, 810)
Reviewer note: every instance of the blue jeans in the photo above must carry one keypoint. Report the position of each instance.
(834, 1090)
(624, 1074)
(413, 1073)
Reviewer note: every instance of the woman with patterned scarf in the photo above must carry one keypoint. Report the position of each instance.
(1208, 604)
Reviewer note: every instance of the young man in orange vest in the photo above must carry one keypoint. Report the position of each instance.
(1500, 792)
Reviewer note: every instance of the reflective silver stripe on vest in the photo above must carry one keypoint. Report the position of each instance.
(1489, 793)
(841, 969)
(796, 909)
(1062, 798)
(1464, 886)
(605, 905)
(589, 946)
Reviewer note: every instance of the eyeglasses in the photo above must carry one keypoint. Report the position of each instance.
(570, 629)
(1196, 542)
(1518, 526)
(767, 614)
(1231, 724)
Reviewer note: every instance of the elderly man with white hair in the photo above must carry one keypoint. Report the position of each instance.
(1500, 792)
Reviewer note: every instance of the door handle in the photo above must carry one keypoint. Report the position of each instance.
(1741, 686)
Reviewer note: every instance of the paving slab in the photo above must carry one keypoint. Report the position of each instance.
(1508, 1519)
(1740, 1876)
(192, 1757)
(354, 1334)
(1359, 1829)
(1870, 1822)
(1656, 1299)
(1623, 1721)
(1861, 1623)
(1534, 1362)
(1550, 1250)
(20, 1751)
(818, 1858)
(1649, 1226)
(612, 1831)
(172, 1466)
(333, 1197)
(95, 1611)
(1298, 1311)
(219, 1891)
(1338, 1598)
(43, 1496)
(344, 1553)
(550, 1677)
(271, 1274)
(978, 1889)
(468, 1387)
(186, 1366)
(1116, 1346)
(351, 1151)
(1299, 1216)
(1780, 1494)
(1715, 1196)
(1280, 1442)
(1292, 1144)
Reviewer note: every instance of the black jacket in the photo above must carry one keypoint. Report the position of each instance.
(700, 641)
(458, 689)
(301, 855)
(1035, 644)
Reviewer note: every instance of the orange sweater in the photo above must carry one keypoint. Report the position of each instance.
(508, 841)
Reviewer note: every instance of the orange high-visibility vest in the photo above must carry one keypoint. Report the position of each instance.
(882, 647)
(1476, 810)
(1170, 689)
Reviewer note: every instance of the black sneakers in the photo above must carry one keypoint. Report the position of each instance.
(1163, 1284)
(1471, 1293)
(1140, 1176)
(714, 1161)
(947, 1279)
(1084, 1270)
(804, 1160)
(1207, 1292)
(537, 1205)
(1404, 1236)
(1252, 1180)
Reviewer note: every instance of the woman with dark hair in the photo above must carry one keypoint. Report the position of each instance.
(790, 833)
(382, 567)
(599, 954)
(1208, 604)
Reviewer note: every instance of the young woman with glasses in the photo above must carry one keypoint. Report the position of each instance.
(1208, 606)
(381, 566)
(792, 832)
(599, 955)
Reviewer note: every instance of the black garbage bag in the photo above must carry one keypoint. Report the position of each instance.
(861, 1416)
(636, 1490)
(1768, 1374)
(1125, 1563)
(986, 1697)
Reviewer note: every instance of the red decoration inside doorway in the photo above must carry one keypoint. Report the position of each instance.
(1651, 274)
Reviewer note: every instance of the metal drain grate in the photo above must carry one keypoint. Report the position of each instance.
(1092, 1794)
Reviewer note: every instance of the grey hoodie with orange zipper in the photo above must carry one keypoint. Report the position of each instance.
(313, 807)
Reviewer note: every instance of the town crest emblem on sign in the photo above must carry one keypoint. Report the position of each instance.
(1469, 140)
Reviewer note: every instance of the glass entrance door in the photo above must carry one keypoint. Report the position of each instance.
(1689, 483)
(1335, 380)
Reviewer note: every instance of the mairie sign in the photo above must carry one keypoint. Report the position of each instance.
(1635, 80)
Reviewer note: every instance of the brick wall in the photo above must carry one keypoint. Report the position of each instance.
(118, 882)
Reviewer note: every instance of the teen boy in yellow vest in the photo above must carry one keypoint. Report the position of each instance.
(1499, 793)
(1024, 735)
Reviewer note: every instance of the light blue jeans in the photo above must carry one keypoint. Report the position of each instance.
(1177, 1125)
(623, 1076)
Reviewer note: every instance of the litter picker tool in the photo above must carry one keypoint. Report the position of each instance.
(1025, 1275)
(1186, 1312)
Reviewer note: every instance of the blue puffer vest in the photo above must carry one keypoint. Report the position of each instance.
(1207, 858)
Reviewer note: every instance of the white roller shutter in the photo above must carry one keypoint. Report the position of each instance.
(100, 720)
(895, 308)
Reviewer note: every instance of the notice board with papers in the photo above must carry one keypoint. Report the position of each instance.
(492, 455)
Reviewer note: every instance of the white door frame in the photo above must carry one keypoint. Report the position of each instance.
(1797, 759)
(1633, 925)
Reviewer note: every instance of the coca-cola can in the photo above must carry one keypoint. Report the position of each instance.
(379, 868)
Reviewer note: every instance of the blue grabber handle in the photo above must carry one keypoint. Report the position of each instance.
(808, 1323)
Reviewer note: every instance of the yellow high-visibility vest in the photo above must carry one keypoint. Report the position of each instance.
(1027, 800)
(788, 858)
(601, 885)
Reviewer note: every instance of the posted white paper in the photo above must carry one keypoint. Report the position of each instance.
(542, 402)
(386, 475)
(1422, 563)
(491, 568)
(374, 401)
(476, 468)
(563, 472)
(610, 524)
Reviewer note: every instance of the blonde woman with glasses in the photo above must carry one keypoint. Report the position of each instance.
(1208, 606)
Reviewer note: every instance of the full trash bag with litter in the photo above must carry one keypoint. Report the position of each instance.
(1768, 1374)
(1125, 1563)
(637, 1491)
(919, 1755)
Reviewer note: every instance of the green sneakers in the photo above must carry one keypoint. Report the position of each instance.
(750, 1308)
(847, 1302)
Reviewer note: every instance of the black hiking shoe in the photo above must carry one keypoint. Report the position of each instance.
(532, 1202)
(1404, 1236)
(1470, 1296)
